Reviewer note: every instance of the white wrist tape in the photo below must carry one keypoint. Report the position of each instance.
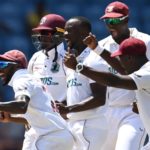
(98, 50)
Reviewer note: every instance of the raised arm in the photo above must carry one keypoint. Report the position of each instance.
(97, 99)
(92, 43)
(19, 106)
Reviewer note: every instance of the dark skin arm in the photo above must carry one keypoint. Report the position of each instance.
(92, 43)
(6, 118)
(19, 106)
(103, 78)
(96, 100)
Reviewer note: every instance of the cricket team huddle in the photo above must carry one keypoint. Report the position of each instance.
(87, 94)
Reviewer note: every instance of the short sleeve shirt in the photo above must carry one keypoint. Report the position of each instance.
(142, 81)
(40, 114)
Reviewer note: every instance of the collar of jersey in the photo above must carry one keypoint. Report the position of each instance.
(51, 53)
(83, 55)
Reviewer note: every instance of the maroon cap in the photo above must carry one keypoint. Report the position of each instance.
(50, 22)
(116, 10)
(15, 56)
(131, 46)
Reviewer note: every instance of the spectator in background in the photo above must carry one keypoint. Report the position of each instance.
(34, 17)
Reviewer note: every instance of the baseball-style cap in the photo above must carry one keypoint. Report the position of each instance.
(15, 56)
(131, 46)
(116, 10)
(50, 22)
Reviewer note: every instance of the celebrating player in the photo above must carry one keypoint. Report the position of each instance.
(85, 98)
(31, 99)
(47, 63)
(132, 54)
(116, 18)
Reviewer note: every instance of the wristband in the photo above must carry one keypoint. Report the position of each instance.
(98, 50)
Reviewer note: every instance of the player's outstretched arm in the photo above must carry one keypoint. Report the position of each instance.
(7, 118)
(109, 79)
(19, 106)
(97, 99)
(103, 78)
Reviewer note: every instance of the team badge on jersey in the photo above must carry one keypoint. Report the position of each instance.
(55, 67)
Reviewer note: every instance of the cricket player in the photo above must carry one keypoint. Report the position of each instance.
(47, 63)
(31, 99)
(85, 98)
(120, 109)
(132, 55)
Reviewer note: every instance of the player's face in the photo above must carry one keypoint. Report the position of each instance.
(73, 34)
(46, 40)
(127, 62)
(118, 29)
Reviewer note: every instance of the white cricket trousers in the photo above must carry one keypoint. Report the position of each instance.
(90, 134)
(125, 129)
(58, 140)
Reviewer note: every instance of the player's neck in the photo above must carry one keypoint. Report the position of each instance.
(80, 49)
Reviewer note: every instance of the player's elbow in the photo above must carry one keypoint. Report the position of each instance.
(22, 107)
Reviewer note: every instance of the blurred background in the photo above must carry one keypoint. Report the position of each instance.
(18, 17)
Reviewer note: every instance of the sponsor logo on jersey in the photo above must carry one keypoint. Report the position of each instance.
(73, 82)
(49, 81)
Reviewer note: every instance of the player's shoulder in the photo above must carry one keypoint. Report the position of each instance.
(140, 35)
(95, 61)
(107, 40)
(146, 67)
(38, 53)
(20, 77)
(35, 56)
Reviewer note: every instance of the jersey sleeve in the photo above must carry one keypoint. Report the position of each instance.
(141, 78)
(23, 87)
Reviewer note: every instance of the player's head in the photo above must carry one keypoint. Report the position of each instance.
(116, 19)
(132, 54)
(76, 29)
(49, 33)
(10, 62)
